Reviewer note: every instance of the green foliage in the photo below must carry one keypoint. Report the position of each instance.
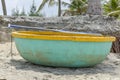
(33, 12)
(76, 7)
(112, 8)
(50, 3)
(23, 13)
(15, 12)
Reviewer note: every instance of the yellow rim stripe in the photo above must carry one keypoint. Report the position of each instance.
(61, 36)
(53, 33)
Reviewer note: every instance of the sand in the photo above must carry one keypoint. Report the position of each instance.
(14, 67)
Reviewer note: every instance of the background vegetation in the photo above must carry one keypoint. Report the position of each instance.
(75, 7)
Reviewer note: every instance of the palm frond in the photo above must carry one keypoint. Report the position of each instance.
(51, 2)
(118, 8)
(65, 3)
(112, 8)
(77, 7)
(114, 13)
(42, 5)
(114, 4)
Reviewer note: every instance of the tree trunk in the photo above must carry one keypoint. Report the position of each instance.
(4, 7)
(94, 7)
(59, 8)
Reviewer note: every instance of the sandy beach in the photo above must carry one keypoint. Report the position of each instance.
(14, 67)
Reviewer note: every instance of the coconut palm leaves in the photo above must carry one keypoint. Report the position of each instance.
(112, 8)
(50, 3)
(76, 7)
(4, 7)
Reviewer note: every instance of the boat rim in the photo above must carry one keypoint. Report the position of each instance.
(49, 35)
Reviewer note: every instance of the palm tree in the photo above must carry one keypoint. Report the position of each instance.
(94, 7)
(112, 8)
(76, 7)
(4, 7)
(51, 3)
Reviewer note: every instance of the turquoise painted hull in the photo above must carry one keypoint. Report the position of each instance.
(62, 53)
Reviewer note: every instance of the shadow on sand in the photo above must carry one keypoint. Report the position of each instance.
(100, 68)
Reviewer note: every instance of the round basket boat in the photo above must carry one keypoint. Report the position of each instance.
(62, 49)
